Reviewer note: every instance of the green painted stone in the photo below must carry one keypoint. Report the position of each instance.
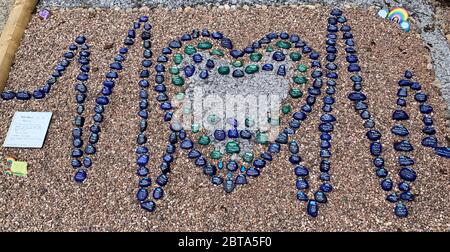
(232, 147)
(262, 138)
(174, 70)
(249, 122)
(295, 56)
(251, 69)
(269, 49)
(255, 57)
(302, 68)
(213, 119)
(195, 127)
(283, 44)
(190, 49)
(217, 52)
(237, 63)
(224, 70)
(295, 93)
(204, 45)
(177, 58)
(215, 154)
(248, 157)
(177, 80)
(286, 109)
(299, 79)
(180, 96)
(204, 140)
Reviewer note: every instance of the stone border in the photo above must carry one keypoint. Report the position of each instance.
(12, 35)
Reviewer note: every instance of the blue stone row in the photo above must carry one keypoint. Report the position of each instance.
(325, 128)
(374, 136)
(59, 70)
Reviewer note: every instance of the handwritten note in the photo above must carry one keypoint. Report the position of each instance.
(28, 130)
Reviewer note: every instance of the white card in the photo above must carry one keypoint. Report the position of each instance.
(28, 129)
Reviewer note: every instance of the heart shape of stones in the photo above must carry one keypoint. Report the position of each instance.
(283, 55)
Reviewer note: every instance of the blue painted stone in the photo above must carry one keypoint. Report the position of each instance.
(240, 180)
(80, 176)
(407, 196)
(386, 184)
(209, 170)
(353, 67)
(429, 130)
(331, 57)
(295, 159)
(312, 208)
(324, 176)
(148, 206)
(403, 145)
(142, 160)
(357, 96)
(326, 127)
(295, 124)
(217, 35)
(301, 171)
(228, 186)
(326, 187)
(331, 66)
(167, 158)
(87, 162)
(141, 150)
(259, 163)
(175, 44)
(401, 210)
(425, 108)
(142, 171)
(416, 86)
(145, 182)
(328, 100)
(293, 147)
(238, 73)
(429, 141)
(165, 50)
(194, 154)
(236, 53)
(142, 194)
(376, 148)
(325, 136)
(320, 197)
(186, 37)
(405, 160)
(165, 105)
(38, 94)
(102, 100)
(392, 198)
(77, 153)
(401, 102)
(400, 115)
(219, 134)
(325, 165)
(408, 174)
(232, 166)
(267, 67)
(187, 144)
(8, 95)
(404, 187)
(203, 74)
(299, 115)
(360, 105)
(233, 133)
(302, 196)
(408, 74)
(282, 138)
(378, 161)
(443, 151)
(162, 180)
(281, 70)
(365, 115)
(23, 95)
(427, 120)
(278, 56)
(189, 70)
(302, 184)
(210, 63)
(399, 130)
(402, 92)
(252, 172)
(332, 28)
(216, 180)
(266, 156)
(158, 193)
(245, 134)
(373, 135)
(226, 43)
(274, 148)
(381, 172)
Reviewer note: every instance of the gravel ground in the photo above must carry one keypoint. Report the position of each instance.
(5, 8)
(48, 200)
